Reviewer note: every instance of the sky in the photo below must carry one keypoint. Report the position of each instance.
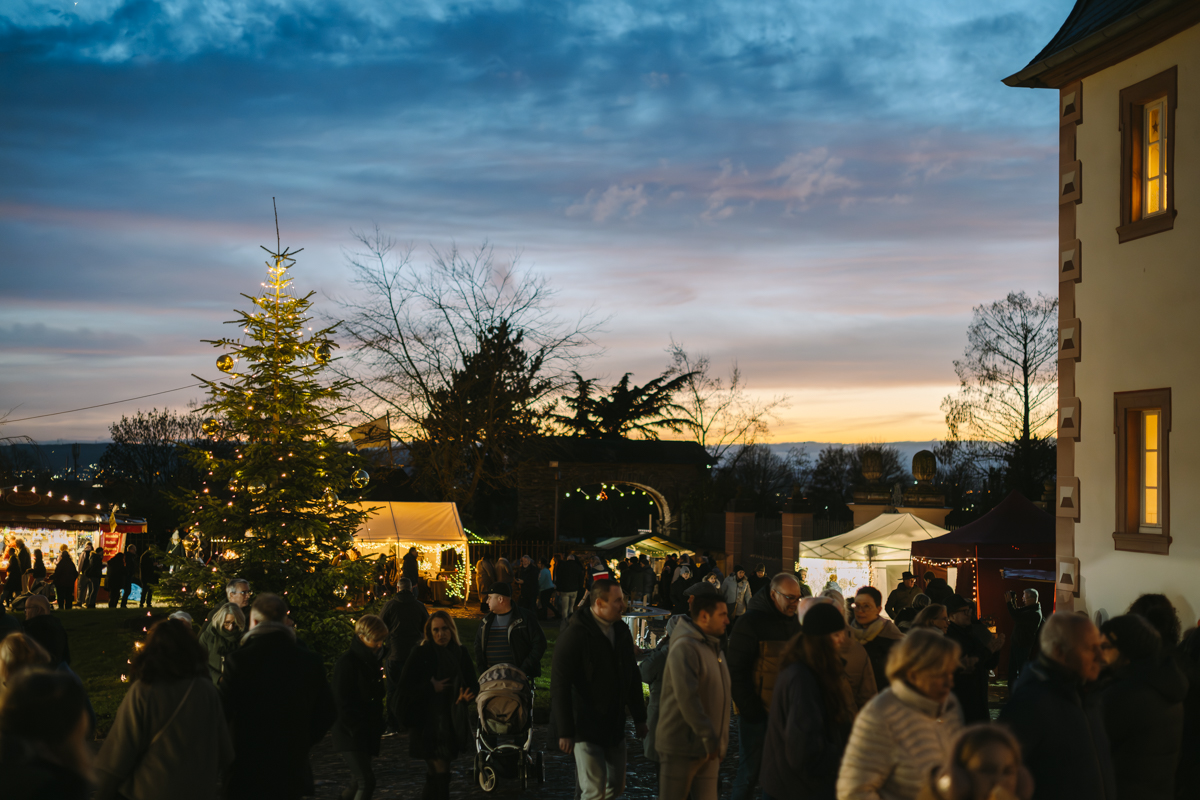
(820, 192)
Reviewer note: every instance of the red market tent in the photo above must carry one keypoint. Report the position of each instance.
(1012, 547)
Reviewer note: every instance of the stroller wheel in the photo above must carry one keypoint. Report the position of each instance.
(540, 767)
(487, 778)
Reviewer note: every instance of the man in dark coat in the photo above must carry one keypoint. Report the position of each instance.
(756, 644)
(358, 692)
(133, 574)
(595, 685)
(509, 635)
(149, 573)
(978, 659)
(1027, 619)
(1142, 701)
(936, 589)
(527, 576)
(1057, 719)
(758, 580)
(278, 704)
(405, 618)
(114, 578)
(902, 596)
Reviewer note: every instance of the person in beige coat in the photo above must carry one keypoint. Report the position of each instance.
(693, 724)
(909, 728)
(169, 738)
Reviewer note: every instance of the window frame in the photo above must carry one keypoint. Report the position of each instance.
(1129, 534)
(1134, 224)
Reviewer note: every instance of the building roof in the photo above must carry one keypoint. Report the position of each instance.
(577, 450)
(1016, 524)
(1095, 31)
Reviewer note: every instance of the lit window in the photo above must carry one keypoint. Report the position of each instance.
(1154, 180)
(1151, 499)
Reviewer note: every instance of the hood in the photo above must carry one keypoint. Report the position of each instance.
(687, 629)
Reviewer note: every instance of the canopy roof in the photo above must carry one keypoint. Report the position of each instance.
(429, 523)
(645, 543)
(1016, 528)
(888, 537)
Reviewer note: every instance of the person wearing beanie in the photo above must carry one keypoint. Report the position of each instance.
(812, 710)
(854, 656)
(1141, 701)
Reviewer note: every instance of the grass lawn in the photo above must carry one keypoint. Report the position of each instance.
(101, 645)
(102, 642)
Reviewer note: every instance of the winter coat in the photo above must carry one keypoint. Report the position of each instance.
(219, 643)
(503, 572)
(437, 724)
(652, 668)
(94, 566)
(971, 685)
(279, 705)
(525, 637)
(646, 581)
(897, 739)
(133, 568)
(755, 645)
(1061, 730)
(1188, 657)
(1027, 620)
(757, 583)
(148, 566)
(38, 569)
(695, 705)
(569, 576)
(1142, 706)
(358, 692)
(679, 601)
(405, 617)
(665, 578)
(593, 682)
(529, 581)
(859, 672)
(169, 740)
(801, 755)
(741, 597)
(115, 578)
(938, 591)
(877, 639)
(65, 574)
(485, 576)
(545, 581)
(900, 599)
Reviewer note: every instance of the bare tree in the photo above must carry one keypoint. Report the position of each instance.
(419, 334)
(717, 411)
(1008, 382)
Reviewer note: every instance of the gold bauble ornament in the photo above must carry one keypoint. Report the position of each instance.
(360, 479)
(211, 427)
(323, 354)
(225, 363)
(258, 487)
(330, 497)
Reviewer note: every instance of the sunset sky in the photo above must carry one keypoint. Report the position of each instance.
(821, 191)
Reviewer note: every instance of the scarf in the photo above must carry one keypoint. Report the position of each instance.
(868, 633)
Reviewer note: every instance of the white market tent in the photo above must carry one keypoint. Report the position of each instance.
(432, 528)
(875, 553)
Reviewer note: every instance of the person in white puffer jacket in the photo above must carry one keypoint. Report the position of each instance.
(907, 729)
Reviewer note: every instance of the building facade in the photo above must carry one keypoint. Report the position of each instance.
(1127, 499)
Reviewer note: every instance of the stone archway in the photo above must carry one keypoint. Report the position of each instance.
(666, 471)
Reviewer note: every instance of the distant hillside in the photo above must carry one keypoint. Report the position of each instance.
(907, 449)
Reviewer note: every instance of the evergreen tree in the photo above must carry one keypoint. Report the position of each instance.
(273, 504)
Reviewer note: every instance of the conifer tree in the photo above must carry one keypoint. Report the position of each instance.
(273, 498)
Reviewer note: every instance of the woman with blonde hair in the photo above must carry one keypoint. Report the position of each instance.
(222, 636)
(907, 729)
(984, 764)
(436, 689)
(18, 652)
(932, 617)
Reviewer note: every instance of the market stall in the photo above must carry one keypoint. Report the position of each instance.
(434, 529)
(875, 554)
(1012, 547)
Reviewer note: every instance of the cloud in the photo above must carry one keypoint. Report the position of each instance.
(624, 201)
(41, 338)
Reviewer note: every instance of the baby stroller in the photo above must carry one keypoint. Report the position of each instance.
(505, 706)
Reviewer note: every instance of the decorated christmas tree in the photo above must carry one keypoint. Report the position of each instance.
(274, 503)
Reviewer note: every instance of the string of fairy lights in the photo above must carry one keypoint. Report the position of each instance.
(609, 492)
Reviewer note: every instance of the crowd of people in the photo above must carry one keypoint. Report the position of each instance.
(833, 697)
(75, 580)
